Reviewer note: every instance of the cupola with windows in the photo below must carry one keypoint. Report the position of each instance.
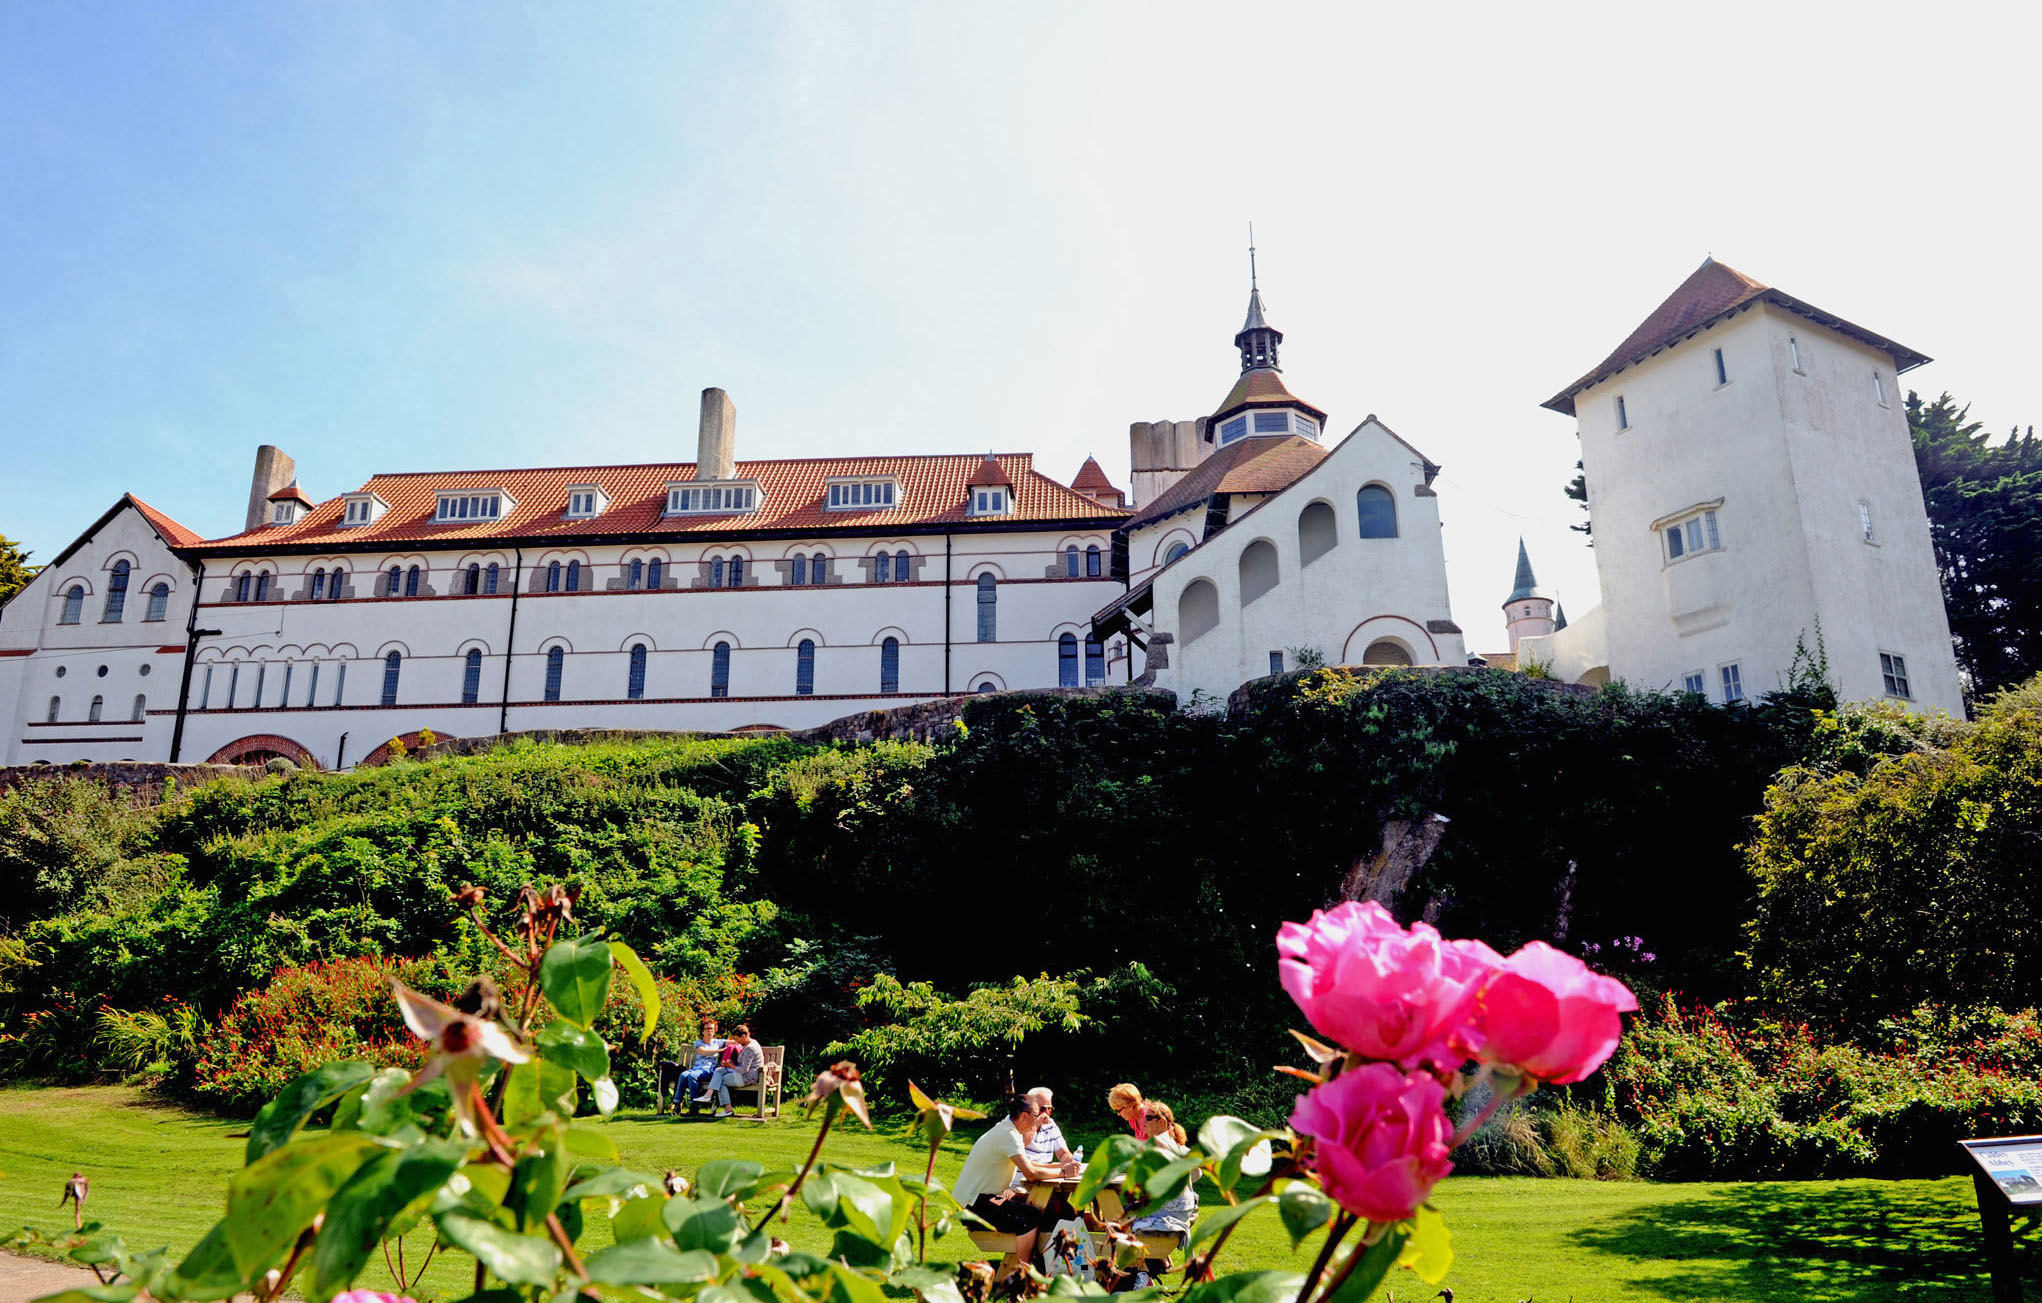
(1260, 404)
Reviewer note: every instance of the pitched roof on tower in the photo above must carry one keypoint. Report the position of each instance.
(1527, 584)
(1713, 292)
(1092, 479)
(988, 474)
(1261, 387)
(1264, 464)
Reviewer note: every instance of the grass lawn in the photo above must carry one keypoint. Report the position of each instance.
(158, 1176)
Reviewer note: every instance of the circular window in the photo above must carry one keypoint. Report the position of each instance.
(61, 671)
(102, 671)
(145, 671)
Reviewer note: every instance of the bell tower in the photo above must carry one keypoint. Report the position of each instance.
(1528, 611)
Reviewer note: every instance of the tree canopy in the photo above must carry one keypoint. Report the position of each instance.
(15, 571)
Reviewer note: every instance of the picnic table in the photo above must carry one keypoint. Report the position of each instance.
(1107, 1205)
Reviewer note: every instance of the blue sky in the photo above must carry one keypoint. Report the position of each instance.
(415, 236)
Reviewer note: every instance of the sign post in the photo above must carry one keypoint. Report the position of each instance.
(2007, 1176)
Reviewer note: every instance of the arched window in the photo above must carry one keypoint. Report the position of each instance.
(986, 686)
(1198, 610)
(1258, 570)
(233, 685)
(318, 583)
(1318, 533)
(634, 683)
(798, 572)
(1176, 550)
(1067, 655)
(882, 568)
(818, 569)
(1378, 511)
(471, 678)
(716, 572)
(556, 663)
(737, 572)
(1092, 561)
(637, 579)
(574, 576)
(333, 582)
(902, 572)
(552, 576)
(141, 707)
(804, 668)
(396, 581)
(411, 582)
(159, 603)
(244, 586)
(474, 583)
(1095, 661)
(988, 608)
(98, 708)
(262, 586)
(116, 594)
(393, 665)
(889, 665)
(655, 573)
(57, 705)
(1385, 652)
(719, 670)
(74, 605)
(1071, 561)
(489, 578)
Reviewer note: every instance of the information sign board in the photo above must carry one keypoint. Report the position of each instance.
(2014, 1164)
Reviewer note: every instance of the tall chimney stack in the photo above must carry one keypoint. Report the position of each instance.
(716, 450)
(273, 469)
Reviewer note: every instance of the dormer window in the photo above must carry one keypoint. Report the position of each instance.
(283, 513)
(861, 495)
(473, 504)
(990, 500)
(585, 501)
(690, 498)
(361, 509)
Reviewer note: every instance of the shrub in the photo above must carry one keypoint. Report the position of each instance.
(60, 839)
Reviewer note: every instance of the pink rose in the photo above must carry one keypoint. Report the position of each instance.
(1545, 1014)
(1383, 1139)
(1382, 991)
(368, 1296)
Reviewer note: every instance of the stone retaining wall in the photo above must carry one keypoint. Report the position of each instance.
(141, 782)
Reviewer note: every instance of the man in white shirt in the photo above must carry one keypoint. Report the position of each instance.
(1047, 1145)
(985, 1185)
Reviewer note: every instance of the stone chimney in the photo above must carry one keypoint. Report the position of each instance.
(716, 449)
(1162, 452)
(273, 470)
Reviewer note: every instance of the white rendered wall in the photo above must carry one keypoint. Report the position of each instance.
(1789, 455)
(1361, 591)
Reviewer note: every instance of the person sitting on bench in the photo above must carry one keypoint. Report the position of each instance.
(747, 1061)
(983, 1186)
(694, 1083)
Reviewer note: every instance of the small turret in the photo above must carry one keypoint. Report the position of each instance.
(1528, 611)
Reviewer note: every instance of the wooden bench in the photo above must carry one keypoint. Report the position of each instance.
(769, 1081)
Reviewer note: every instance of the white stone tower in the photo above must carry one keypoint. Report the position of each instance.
(1528, 611)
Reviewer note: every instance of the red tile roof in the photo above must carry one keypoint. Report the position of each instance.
(932, 492)
(1261, 387)
(173, 533)
(1092, 479)
(988, 474)
(292, 493)
(1712, 292)
(1262, 464)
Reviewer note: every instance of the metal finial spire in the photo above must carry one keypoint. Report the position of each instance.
(1251, 257)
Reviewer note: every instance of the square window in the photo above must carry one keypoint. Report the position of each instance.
(1695, 683)
(1893, 671)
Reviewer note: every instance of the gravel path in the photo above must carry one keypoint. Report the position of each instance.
(22, 1279)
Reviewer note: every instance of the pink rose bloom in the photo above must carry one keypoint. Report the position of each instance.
(1545, 1014)
(368, 1296)
(1382, 991)
(1383, 1139)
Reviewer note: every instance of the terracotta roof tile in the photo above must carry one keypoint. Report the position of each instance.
(988, 474)
(932, 492)
(1262, 464)
(1092, 479)
(173, 533)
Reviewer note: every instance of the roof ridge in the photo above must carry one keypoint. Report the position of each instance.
(753, 461)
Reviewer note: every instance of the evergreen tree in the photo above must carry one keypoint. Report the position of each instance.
(15, 571)
(1985, 519)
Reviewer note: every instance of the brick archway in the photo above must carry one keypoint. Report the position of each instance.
(381, 755)
(259, 748)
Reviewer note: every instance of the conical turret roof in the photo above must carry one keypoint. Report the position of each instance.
(1527, 584)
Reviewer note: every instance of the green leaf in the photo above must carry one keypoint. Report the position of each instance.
(359, 1215)
(1219, 1219)
(1375, 1264)
(274, 1198)
(728, 1178)
(1248, 1157)
(538, 1179)
(511, 1257)
(1222, 1132)
(535, 1089)
(819, 1192)
(708, 1224)
(1430, 1250)
(848, 1286)
(590, 1142)
(1304, 1209)
(648, 1262)
(1111, 1161)
(604, 1092)
(304, 1096)
(120, 1293)
(865, 1208)
(615, 1181)
(1169, 1180)
(641, 979)
(576, 1048)
(931, 1284)
(575, 975)
(639, 1219)
(1247, 1287)
(208, 1271)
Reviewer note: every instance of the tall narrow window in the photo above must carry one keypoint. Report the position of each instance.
(1067, 658)
(804, 668)
(57, 706)
(889, 665)
(205, 692)
(284, 693)
(655, 573)
(798, 572)
(339, 682)
(489, 578)
(244, 586)
(1377, 511)
(411, 582)
(159, 602)
(637, 579)
(318, 584)
(882, 568)
(574, 576)
(1722, 375)
(1865, 520)
(716, 573)
(719, 670)
(1276, 662)
(471, 678)
(97, 709)
(396, 581)
(634, 682)
(818, 569)
(1893, 671)
(737, 572)
(262, 581)
(1071, 561)
(261, 673)
(393, 665)
(312, 687)
(1733, 683)
(116, 594)
(1095, 661)
(1092, 561)
(556, 664)
(233, 685)
(552, 576)
(1794, 347)
(474, 583)
(901, 572)
(333, 582)
(988, 608)
(1879, 388)
(1623, 414)
(74, 605)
